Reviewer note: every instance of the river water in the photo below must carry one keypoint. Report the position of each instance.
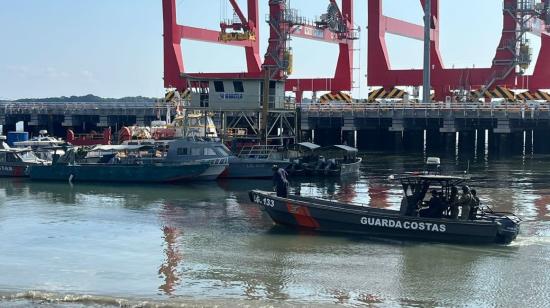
(207, 244)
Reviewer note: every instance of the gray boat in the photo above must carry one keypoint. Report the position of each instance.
(255, 162)
(156, 163)
(186, 150)
(486, 225)
(335, 160)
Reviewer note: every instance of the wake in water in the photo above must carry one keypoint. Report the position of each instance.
(51, 299)
(533, 233)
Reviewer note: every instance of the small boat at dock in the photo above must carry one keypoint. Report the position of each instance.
(328, 216)
(255, 162)
(335, 160)
(14, 162)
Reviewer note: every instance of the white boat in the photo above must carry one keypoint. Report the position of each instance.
(42, 145)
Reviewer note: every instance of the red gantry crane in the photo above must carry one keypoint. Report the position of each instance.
(513, 54)
(336, 26)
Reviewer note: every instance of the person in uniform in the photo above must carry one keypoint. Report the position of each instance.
(466, 203)
(476, 203)
(453, 202)
(435, 206)
(280, 181)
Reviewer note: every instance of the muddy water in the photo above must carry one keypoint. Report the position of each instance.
(207, 244)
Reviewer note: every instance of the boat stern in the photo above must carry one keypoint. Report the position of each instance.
(508, 228)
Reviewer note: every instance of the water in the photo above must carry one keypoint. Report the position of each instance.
(207, 244)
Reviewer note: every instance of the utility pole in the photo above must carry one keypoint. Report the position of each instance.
(427, 51)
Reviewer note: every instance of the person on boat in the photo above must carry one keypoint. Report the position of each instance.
(453, 202)
(435, 206)
(476, 204)
(280, 181)
(466, 203)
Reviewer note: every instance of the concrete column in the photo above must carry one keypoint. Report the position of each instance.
(517, 142)
(481, 140)
(396, 132)
(529, 142)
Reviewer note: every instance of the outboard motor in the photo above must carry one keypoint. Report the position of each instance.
(508, 228)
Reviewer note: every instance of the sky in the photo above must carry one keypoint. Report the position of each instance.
(113, 48)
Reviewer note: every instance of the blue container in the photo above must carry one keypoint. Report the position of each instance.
(16, 137)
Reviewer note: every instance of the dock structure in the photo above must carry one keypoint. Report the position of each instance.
(232, 122)
(504, 127)
(57, 117)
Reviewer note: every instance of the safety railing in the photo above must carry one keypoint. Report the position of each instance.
(258, 151)
(444, 107)
(30, 106)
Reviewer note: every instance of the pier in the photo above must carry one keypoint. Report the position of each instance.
(503, 127)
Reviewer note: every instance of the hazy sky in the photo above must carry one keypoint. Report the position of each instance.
(113, 48)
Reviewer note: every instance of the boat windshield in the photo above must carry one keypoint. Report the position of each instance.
(222, 151)
(28, 156)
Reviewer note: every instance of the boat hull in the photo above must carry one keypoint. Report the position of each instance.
(251, 168)
(147, 173)
(327, 216)
(212, 173)
(13, 170)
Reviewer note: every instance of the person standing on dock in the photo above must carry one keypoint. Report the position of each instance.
(280, 181)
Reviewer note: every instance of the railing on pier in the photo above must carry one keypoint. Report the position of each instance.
(38, 107)
(506, 107)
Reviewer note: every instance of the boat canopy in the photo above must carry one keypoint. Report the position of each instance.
(303, 146)
(443, 180)
(338, 150)
(7, 149)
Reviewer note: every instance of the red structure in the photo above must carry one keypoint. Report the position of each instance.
(92, 138)
(283, 23)
(511, 52)
(174, 65)
(340, 32)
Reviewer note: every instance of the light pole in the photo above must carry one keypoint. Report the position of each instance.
(427, 51)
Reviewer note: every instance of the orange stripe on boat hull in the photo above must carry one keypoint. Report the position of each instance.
(302, 216)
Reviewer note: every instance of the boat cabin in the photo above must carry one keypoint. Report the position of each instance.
(421, 192)
(302, 150)
(14, 162)
(337, 153)
(191, 148)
